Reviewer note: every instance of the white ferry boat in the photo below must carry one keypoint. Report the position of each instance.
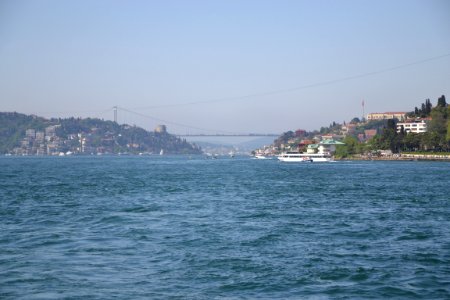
(320, 152)
(305, 157)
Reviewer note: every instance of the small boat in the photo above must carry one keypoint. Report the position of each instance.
(212, 156)
(259, 156)
(161, 152)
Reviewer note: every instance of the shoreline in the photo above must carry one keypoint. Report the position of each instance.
(401, 157)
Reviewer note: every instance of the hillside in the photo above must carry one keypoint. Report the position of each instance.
(22, 134)
(370, 136)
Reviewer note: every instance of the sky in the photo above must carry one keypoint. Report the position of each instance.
(230, 66)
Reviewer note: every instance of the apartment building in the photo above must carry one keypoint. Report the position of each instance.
(418, 125)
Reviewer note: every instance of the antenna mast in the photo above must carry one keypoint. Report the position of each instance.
(363, 116)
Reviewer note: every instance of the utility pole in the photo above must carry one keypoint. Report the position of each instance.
(115, 114)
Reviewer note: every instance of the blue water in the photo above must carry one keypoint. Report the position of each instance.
(191, 228)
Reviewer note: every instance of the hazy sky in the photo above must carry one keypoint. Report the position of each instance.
(273, 66)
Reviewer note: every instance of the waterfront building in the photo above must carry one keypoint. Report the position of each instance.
(41, 149)
(328, 145)
(324, 146)
(53, 147)
(312, 148)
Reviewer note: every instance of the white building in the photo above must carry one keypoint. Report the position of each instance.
(414, 126)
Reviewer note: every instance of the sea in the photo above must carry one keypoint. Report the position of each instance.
(188, 227)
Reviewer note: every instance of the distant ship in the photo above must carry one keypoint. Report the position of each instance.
(161, 152)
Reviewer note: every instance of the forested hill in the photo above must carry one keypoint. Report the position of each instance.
(22, 134)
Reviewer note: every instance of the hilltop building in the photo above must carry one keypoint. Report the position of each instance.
(161, 129)
(386, 115)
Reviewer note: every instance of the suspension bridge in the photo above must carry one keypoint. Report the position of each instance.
(231, 135)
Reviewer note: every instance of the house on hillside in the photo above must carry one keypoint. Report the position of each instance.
(369, 133)
(348, 129)
(418, 125)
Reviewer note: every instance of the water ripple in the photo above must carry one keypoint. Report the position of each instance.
(172, 227)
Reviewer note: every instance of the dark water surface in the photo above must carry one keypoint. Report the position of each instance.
(174, 227)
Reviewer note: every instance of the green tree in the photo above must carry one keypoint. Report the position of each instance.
(448, 133)
(389, 137)
(352, 146)
(429, 141)
(341, 151)
(355, 120)
(375, 143)
(428, 106)
(441, 102)
(438, 128)
(411, 141)
(324, 130)
(284, 138)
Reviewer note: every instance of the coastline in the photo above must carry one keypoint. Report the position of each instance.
(401, 157)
